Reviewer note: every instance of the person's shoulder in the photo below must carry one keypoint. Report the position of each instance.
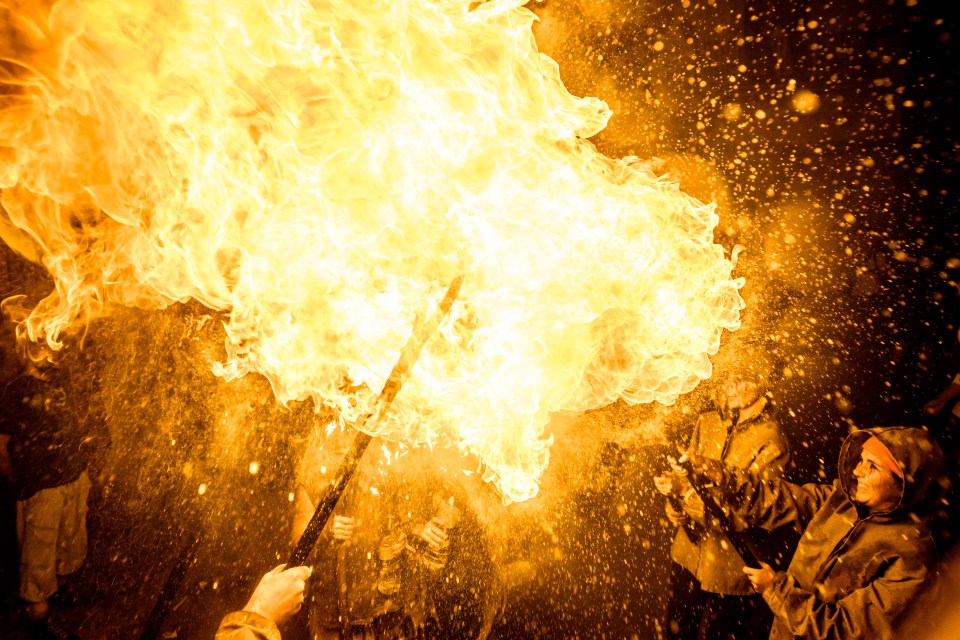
(768, 428)
(711, 418)
(777, 434)
(915, 534)
(910, 544)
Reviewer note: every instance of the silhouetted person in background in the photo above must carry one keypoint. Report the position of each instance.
(350, 598)
(43, 454)
(947, 399)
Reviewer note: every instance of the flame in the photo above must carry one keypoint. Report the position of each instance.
(319, 171)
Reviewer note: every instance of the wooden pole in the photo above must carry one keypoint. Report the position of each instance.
(408, 358)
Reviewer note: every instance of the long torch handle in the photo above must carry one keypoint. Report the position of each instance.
(408, 358)
(329, 500)
(714, 514)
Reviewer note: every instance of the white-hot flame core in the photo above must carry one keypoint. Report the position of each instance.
(321, 171)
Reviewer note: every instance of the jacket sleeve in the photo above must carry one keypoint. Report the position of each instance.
(693, 506)
(868, 612)
(246, 625)
(691, 502)
(773, 502)
(770, 462)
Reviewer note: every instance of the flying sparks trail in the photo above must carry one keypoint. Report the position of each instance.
(315, 169)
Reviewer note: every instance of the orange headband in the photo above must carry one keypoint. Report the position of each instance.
(877, 448)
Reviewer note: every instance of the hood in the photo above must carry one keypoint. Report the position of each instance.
(917, 453)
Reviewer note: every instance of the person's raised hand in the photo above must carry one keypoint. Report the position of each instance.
(676, 517)
(279, 594)
(705, 469)
(934, 407)
(672, 484)
(760, 578)
(343, 527)
(434, 534)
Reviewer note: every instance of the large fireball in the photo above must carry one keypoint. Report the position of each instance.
(319, 171)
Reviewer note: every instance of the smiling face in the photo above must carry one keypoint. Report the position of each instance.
(740, 392)
(878, 488)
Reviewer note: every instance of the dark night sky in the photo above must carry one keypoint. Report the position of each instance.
(856, 200)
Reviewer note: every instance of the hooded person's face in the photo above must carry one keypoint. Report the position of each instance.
(878, 488)
(740, 392)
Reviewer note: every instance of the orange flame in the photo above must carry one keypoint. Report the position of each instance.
(321, 170)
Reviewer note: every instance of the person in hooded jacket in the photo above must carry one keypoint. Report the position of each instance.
(866, 551)
(710, 597)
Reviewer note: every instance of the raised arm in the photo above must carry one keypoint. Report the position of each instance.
(769, 463)
(769, 503)
(277, 596)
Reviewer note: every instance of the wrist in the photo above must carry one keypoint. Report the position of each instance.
(254, 606)
(246, 618)
(776, 581)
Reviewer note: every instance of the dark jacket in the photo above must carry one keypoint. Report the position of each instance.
(47, 441)
(853, 573)
(756, 443)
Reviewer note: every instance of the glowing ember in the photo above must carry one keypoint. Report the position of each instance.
(320, 171)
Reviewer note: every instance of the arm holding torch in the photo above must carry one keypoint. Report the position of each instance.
(277, 596)
(408, 358)
(676, 489)
(701, 475)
